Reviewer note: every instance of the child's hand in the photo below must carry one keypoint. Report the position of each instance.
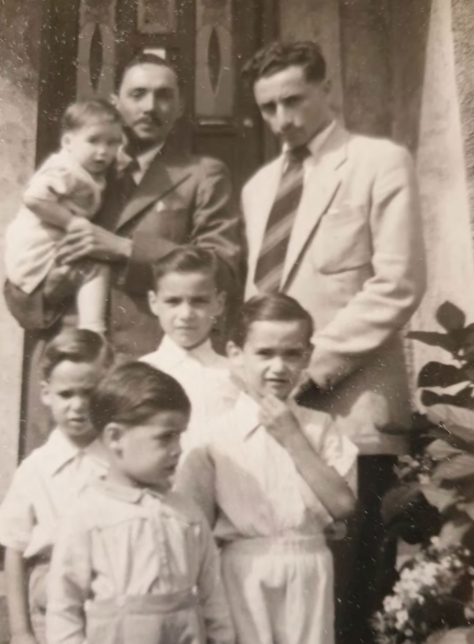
(278, 419)
(23, 638)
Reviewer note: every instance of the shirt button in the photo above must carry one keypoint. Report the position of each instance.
(194, 590)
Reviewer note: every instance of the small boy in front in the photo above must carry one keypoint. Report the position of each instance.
(188, 298)
(271, 477)
(51, 477)
(135, 563)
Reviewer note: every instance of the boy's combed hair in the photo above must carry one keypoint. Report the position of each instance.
(280, 55)
(276, 307)
(188, 259)
(82, 113)
(75, 345)
(133, 392)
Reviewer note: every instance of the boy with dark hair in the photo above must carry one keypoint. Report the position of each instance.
(271, 476)
(51, 478)
(188, 298)
(136, 562)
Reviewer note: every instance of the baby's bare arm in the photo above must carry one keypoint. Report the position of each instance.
(50, 212)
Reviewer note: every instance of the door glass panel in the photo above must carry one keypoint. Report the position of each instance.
(96, 49)
(214, 80)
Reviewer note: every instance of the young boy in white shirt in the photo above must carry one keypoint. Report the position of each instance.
(187, 300)
(51, 477)
(271, 477)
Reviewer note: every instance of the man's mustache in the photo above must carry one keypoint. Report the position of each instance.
(147, 120)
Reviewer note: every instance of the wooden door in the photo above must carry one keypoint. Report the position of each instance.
(207, 40)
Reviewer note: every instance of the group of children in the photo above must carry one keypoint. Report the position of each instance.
(182, 498)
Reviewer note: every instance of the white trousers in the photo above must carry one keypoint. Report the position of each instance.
(280, 590)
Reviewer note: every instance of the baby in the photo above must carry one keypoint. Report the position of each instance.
(66, 189)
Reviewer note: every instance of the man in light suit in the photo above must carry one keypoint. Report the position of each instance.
(342, 235)
(160, 197)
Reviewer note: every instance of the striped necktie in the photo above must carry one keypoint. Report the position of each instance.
(272, 256)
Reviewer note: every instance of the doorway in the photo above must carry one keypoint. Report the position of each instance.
(87, 41)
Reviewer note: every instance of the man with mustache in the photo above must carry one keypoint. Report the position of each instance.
(159, 197)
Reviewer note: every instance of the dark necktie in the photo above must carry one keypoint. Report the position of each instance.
(120, 191)
(272, 256)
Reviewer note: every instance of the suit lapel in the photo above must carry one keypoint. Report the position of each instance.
(164, 174)
(320, 189)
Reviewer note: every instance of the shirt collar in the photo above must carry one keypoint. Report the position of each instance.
(126, 493)
(144, 159)
(172, 354)
(317, 142)
(247, 417)
(60, 451)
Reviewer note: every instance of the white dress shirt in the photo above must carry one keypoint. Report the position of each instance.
(206, 379)
(244, 473)
(43, 488)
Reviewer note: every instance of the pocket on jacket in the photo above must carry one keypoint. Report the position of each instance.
(343, 241)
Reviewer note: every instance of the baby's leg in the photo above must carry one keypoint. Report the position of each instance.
(92, 297)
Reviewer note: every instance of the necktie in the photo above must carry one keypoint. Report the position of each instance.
(270, 263)
(124, 186)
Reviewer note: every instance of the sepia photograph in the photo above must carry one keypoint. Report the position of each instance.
(236, 321)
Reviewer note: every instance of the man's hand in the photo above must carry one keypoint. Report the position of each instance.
(278, 419)
(307, 392)
(84, 239)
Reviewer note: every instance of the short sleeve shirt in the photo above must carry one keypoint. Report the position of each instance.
(251, 479)
(43, 488)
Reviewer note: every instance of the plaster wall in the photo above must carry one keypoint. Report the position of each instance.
(317, 20)
(432, 120)
(20, 22)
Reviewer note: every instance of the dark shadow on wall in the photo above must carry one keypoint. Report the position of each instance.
(383, 48)
(463, 31)
(409, 27)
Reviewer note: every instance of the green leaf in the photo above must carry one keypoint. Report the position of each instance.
(434, 339)
(440, 449)
(450, 317)
(468, 508)
(438, 374)
(458, 421)
(457, 467)
(438, 497)
(399, 499)
(452, 532)
(462, 398)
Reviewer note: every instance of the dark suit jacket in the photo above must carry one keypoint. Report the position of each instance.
(181, 199)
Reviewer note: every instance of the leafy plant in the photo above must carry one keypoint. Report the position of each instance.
(435, 493)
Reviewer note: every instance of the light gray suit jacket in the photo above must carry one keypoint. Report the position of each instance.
(356, 262)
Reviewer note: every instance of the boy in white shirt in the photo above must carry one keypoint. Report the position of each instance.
(187, 301)
(65, 190)
(51, 477)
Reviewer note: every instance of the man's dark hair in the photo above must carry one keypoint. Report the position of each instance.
(75, 345)
(133, 392)
(276, 307)
(188, 259)
(144, 58)
(280, 55)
